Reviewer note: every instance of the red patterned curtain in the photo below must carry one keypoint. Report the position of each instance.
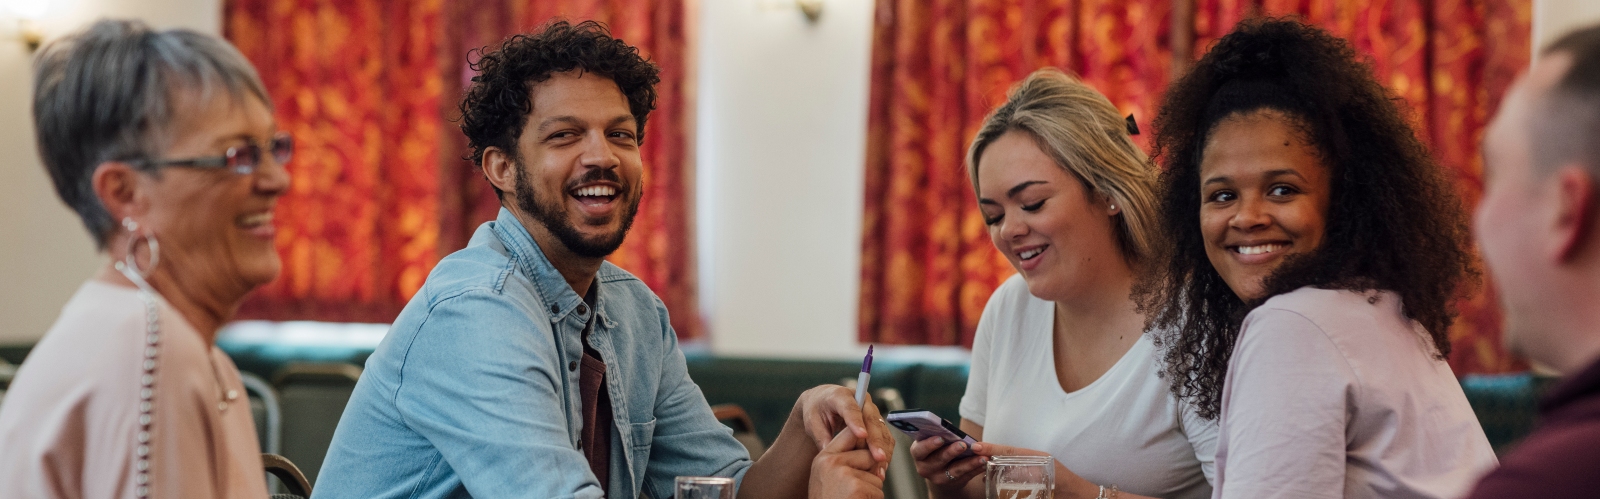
(1450, 60)
(381, 192)
(357, 84)
(938, 66)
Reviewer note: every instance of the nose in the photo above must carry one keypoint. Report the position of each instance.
(1252, 215)
(598, 152)
(1013, 227)
(271, 177)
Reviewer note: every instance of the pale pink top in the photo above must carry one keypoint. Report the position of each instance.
(1338, 395)
(69, 423)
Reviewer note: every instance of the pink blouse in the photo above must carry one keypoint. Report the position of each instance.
(69, 423)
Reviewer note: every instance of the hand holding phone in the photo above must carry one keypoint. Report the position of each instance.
(923, 424)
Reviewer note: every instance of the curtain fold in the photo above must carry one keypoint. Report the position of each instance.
(381, 190)
(927, 265)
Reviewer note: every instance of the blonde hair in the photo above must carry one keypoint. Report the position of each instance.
(1087, 137)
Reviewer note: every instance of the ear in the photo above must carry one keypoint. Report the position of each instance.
(1574, 216)
(117, 185)
(500, 169)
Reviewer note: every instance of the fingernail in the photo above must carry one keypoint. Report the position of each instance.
(938, 441)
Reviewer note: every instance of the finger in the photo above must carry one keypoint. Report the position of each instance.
(853, 484)
(878, 436)
(840, 443)
(818, 430)
(969, 475)
(968, 466)
(988, 449)
(855, 459)
(843, 404)
(922, 448)
(954, 449)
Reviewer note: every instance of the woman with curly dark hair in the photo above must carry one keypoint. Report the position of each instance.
(1315, 249)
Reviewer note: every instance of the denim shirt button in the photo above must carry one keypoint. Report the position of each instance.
(554, 309)
(572, 366)
(583, 309)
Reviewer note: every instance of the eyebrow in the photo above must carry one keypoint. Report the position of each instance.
(1014, 190)
(238, 137)
(1283, 172)
(574, 121)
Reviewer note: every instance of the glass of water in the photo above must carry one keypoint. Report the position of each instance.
(703, 487)
(1020, 477)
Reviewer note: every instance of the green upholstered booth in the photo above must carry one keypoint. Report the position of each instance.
(1505, 404)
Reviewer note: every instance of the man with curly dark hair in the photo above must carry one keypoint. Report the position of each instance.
(1315, 250)
(528, 366)
(1537, 228)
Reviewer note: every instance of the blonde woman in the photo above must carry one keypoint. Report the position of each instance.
(1061, 365)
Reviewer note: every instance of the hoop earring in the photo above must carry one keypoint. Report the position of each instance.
(130, 263)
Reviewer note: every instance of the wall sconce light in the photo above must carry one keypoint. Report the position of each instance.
(28, 14)
(812, 9)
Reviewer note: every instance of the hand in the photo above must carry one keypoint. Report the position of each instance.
(828, 409)
(1068, 484)
(841, 471)
(987, 449)
(936, 462)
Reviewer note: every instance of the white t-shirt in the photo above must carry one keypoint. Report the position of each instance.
(1124, 429)
(1337, 394)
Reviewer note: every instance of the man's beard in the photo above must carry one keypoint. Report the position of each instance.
(554, 218)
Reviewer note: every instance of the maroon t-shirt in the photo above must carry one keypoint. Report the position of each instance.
(595, 439)
(1561, 459)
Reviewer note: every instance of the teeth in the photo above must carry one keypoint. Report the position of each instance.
(596, 191)
(1258, 250)
(1030, 253)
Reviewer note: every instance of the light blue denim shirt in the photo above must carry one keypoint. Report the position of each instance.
(474, 391)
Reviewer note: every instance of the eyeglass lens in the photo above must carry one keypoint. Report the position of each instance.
(245, 158)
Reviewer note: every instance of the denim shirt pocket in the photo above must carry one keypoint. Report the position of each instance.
(640, 436)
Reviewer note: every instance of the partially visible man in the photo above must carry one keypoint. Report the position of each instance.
(1537, 227)
(527, 366)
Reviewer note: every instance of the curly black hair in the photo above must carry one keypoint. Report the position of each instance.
(1394, 221)
(498, 102)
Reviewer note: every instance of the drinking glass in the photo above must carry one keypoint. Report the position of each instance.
(703, 487)
(1020, 477)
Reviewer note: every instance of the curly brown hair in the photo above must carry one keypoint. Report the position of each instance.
(497, 104)
(1394, 222)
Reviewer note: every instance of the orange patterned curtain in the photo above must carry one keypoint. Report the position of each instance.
(1450, 60)
(938, 66)
(381, 192)
(357, 84)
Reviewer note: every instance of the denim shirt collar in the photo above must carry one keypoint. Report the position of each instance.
(555, 295)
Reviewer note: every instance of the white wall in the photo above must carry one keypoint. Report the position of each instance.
(782, 127)
(44, 251)
(1553, 18)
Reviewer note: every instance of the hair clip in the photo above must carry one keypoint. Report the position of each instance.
(1133, 126)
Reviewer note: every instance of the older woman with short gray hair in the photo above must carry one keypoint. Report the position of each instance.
(164, 144)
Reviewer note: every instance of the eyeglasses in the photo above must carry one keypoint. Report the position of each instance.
(240, 159)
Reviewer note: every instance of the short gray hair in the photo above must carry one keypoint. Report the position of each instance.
(109, 93)
(1078, 127)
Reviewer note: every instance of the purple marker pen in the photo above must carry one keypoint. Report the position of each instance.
(863, 378)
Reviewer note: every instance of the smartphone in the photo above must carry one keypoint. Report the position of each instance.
(923, 424)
